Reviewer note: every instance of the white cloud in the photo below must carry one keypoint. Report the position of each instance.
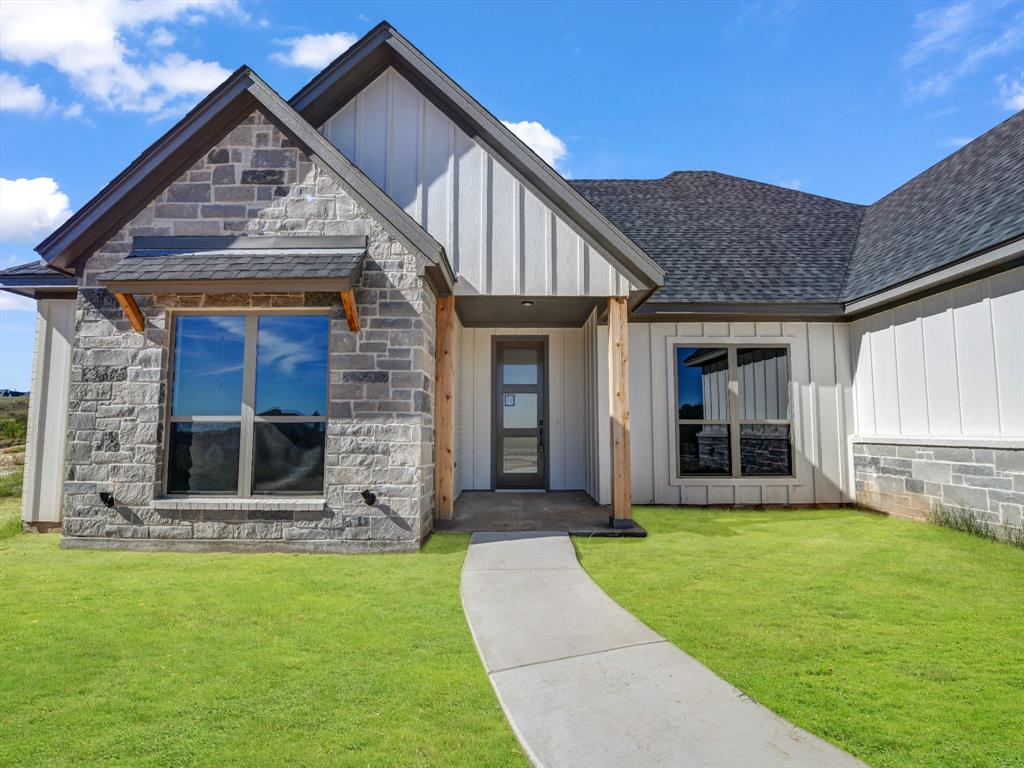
(162, 37)
(792, 184)
(30, 208)
(1011, 93)
(73, 110)
(104, 48)
(314, 51)
(18, 96)
(550, 148)
(955, 142)
(956, 40)
(10, 302)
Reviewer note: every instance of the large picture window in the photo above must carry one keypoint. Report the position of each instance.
(733, 416)
(248, 404)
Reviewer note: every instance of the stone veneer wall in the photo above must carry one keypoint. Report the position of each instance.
(380, 411)
(912, 480)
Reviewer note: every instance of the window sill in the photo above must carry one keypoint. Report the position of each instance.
(261, 504)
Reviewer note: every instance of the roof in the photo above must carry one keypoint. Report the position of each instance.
(384, 47)
(36, 278)
(967, 203)
(169, 264)
(725, 239)
(168, 157)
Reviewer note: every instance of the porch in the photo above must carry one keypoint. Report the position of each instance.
(574, 512)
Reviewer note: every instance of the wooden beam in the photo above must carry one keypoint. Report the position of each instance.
(131, 311)
(444, 411)
(348, 302)
(618, 395)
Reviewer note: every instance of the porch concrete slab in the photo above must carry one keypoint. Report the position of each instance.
(571, 511)
(584, 683)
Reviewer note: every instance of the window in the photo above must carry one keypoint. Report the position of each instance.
(248, 404)
(734, 416)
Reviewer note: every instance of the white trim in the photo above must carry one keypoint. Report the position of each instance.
(257, 503)
(965, 441)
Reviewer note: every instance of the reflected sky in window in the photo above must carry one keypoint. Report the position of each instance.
(208, 355)
(291, 365)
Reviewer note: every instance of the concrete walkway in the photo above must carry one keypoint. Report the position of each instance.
(584, 683)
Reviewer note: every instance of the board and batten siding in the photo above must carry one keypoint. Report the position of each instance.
(500, 237)
(947, 365)
(43, 489)
(822, 409)
(564, 430)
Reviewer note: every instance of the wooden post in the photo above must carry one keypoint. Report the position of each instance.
(348, 303)
(131, 311)
(618, 395)
(444, 412)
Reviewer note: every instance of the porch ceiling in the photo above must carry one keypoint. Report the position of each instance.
(543, 312)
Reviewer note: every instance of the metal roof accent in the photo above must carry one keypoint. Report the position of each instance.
(222, 265)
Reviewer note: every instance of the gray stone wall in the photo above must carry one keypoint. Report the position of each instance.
(912, 480)
(380, 412)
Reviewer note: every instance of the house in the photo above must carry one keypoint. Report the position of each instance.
(312, 324)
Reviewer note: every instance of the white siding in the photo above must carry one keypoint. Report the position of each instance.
(48, 411)
(951, 364)
(566, 428)
(819, 393)
(500, 237)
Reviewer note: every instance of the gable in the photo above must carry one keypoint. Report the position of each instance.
(500, 236)
(347, 78)
(242, 94)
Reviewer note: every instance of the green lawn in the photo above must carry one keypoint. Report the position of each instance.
(10, 516)
(899, 641)
(112, 658)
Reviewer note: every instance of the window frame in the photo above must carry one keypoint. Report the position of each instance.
(247, 417)
(734, 421)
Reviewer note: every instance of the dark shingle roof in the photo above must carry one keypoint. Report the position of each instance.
(34, 269)
(725, 239)
(35, 278)
(160, 260)
(969, 202)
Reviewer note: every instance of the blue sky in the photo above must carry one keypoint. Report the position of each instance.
(840, 99)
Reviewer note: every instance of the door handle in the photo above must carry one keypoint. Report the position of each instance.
(540, 437)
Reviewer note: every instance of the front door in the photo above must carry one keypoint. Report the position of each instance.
(519, 413)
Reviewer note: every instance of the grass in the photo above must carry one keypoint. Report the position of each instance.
(964, 520)
(10, 517)
(115, 658)
(899, 641)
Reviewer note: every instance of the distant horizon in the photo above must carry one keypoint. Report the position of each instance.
(844, 100)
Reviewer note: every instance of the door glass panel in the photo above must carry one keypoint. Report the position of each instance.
(520, 455)
(519, 366)
(519, 410)
(703, 382)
